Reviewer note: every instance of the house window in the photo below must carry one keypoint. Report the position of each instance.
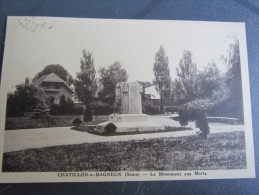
(52, 86)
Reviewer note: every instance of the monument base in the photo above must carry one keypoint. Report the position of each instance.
(128, 117)
(132, 122)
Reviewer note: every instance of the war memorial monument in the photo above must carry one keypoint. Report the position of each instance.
(129, 115)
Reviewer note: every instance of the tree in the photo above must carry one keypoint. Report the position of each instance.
(162, 81)
(86, 83)
(109, 78)
(198, 92)
(57, 69)
(24, 99)
(234, 103)
(185, 85)
(211, 84)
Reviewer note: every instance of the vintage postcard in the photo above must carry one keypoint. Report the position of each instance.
(124, 100)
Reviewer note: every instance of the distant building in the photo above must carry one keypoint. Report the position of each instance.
(54, 86)
(148, 96)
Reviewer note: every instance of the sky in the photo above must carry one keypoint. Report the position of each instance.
(35, 42)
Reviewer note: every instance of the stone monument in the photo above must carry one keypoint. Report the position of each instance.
(129, 115)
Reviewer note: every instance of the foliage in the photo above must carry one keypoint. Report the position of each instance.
(198, 92)
(162, 81)
(185, 86)
(222, 151)
(77, 121)
(100, 108)
(86, 83)
(41, 111)
(171, 109)
(55, 109)
(66, 106)
(234, 103)
(88, 114)
(79, 110)
(56, 69)
(110, 128)
(209, 90)
(149, 108)
(210, 81)
(24, 99)
(109, 78)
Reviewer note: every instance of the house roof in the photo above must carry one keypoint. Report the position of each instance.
(51, 78)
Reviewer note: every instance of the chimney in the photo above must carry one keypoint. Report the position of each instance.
(27, 81)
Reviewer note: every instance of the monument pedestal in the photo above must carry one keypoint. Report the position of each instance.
(132, 122)
(128, 117)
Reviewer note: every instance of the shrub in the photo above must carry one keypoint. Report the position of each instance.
(171, 109)
(79, 110)
(110, 128)
(66, 106)
(41, 111)
(152, 110)
(100, 108)
(149, 108)
(77, 122)
(55, 109)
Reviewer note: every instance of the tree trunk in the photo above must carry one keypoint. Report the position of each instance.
(162, 105)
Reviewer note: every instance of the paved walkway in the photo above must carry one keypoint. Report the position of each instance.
(16, 140)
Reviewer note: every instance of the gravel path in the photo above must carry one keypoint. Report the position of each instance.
(16, 140)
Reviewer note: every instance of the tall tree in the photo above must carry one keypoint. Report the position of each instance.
(185, 85)
(162, 81)
(56, 69)
(234, 102)
(86, 83)
(109, 77)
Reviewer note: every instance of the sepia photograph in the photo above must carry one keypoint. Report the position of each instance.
(124, 100)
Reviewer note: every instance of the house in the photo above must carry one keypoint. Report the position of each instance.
(54, 87)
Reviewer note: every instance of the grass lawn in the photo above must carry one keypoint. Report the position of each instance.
(219, 151)
(28, 123)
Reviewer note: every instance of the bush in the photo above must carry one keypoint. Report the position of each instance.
(149, 108)
(79, 110)
(110, 128)
(171, 109)
(77, 122)
(55, 109)
(65, 106)
(100, 108)
(152, 110)
(41, 111)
